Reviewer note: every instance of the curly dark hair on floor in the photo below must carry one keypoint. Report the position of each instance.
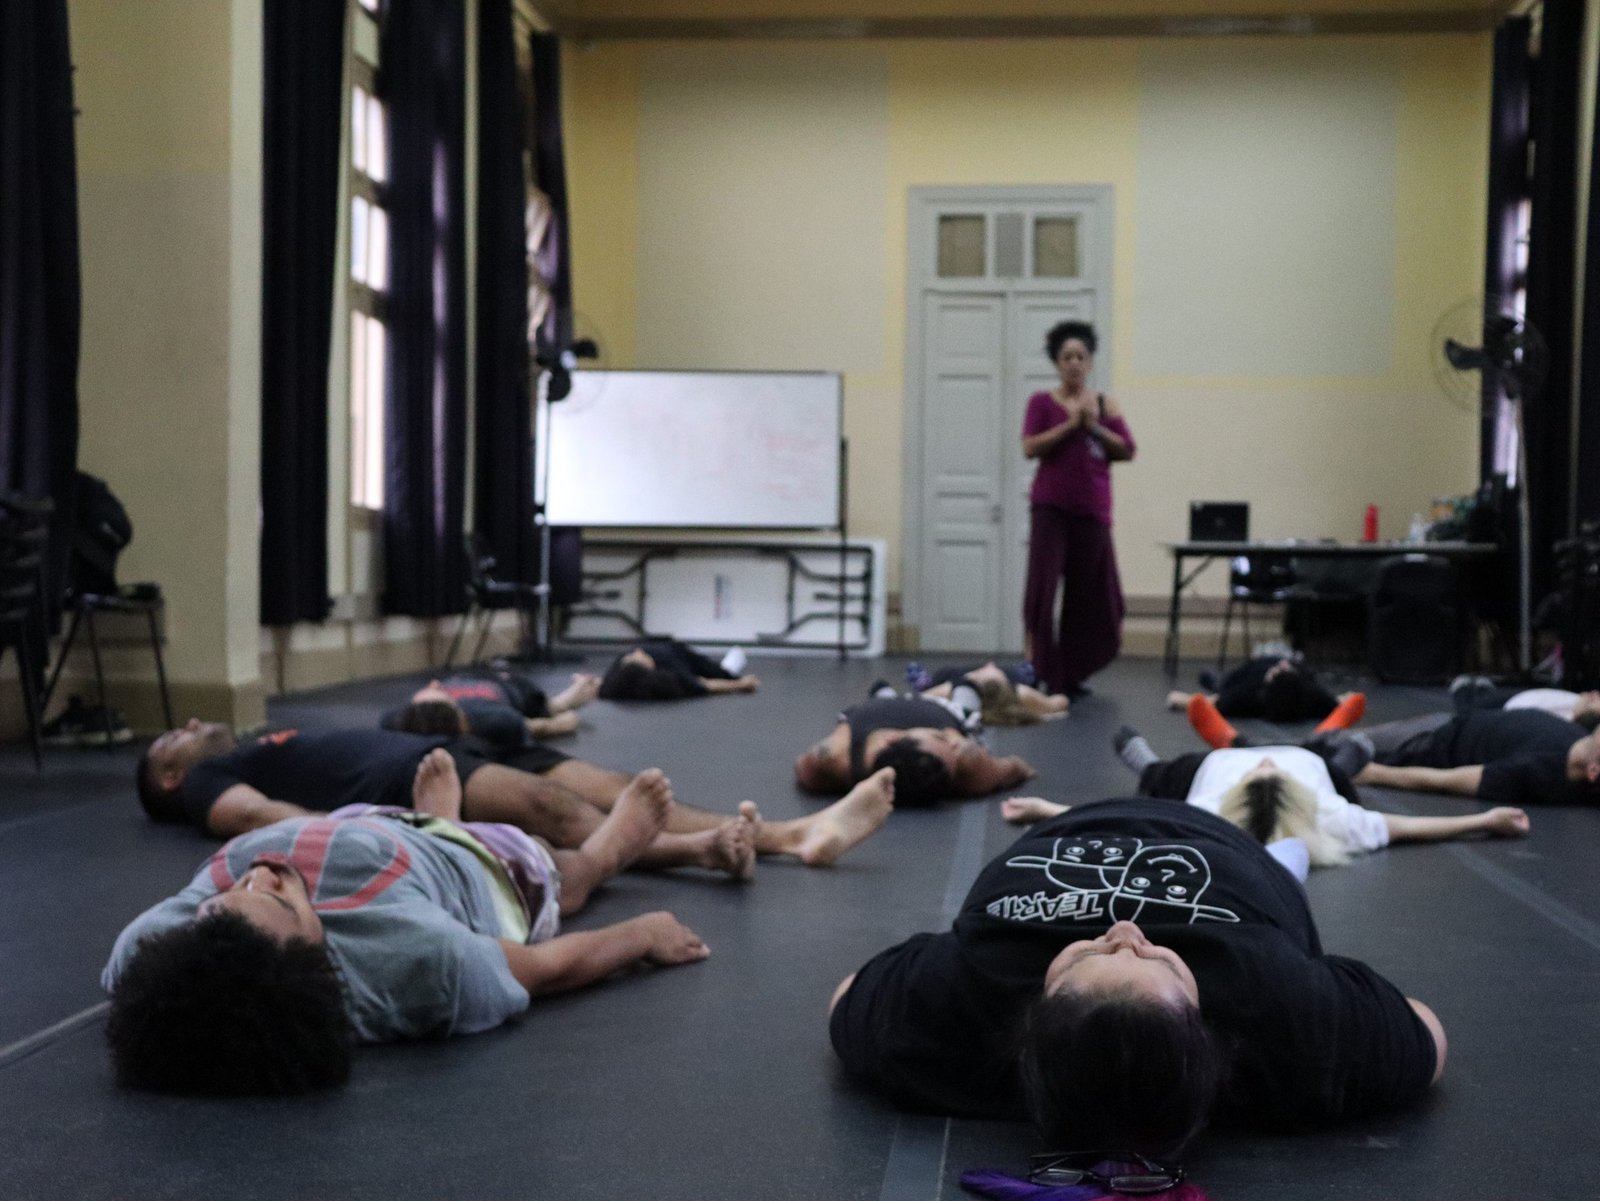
(626, 681)
(427, 717)
(920, 779)
(218, 1008)
(1119, 1070)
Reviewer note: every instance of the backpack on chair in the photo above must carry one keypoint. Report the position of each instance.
(100, 530)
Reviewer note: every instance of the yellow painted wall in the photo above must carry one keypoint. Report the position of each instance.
(1308, 450)
(169, 174)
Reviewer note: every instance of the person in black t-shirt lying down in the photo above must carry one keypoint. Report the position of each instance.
(926, 742)
(202, 775)
(1122, 974)
(665, 669)
(1506, 757)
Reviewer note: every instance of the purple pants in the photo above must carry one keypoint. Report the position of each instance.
(1071, 554)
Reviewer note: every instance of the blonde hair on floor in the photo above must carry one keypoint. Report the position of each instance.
(1274, 805)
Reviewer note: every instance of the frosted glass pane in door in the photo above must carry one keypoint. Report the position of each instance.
(1055, 247)
(961, 247)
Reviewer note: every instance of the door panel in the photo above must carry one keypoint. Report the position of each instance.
(1028, 260)
(963, 378)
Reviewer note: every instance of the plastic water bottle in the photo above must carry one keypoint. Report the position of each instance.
(1419, 529)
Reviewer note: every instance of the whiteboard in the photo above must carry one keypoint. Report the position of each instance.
(696, 449)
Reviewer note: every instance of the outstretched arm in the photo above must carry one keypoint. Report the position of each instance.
(241, 809)
(1457, 781)
(979, 773)
(571, 961)
(1436, 1028)
(741, 684)
(1504, 822)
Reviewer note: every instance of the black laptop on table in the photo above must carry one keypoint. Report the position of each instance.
(1219, 521)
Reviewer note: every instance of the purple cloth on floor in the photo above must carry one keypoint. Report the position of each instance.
(1005, 1187)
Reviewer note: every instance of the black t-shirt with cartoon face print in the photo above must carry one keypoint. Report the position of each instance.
(932, 1023)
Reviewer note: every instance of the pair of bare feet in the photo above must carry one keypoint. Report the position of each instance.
(637, 819)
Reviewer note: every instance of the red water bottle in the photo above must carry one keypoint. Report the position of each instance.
(1369, 527)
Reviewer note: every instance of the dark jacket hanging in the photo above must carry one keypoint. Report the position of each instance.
(425, 458)
(302, 103)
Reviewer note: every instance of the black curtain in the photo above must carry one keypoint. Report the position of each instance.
(503, 450)
(1552, 274)
(550, 177)
(1508, 187)
(1587, 500)
(424, 74)
(40, 298)
(302, 102)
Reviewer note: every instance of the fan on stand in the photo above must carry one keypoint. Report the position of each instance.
(1485, 354)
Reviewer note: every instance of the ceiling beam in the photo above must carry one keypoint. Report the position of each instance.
(1462, 20)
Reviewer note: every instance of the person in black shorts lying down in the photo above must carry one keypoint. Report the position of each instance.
(201, 774)
(668, 670)
(501, 707)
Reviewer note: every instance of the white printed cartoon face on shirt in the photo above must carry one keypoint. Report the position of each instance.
(1114, 879)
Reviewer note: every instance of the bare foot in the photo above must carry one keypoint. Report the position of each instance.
(846, 822)
(1025, 810)
(1506, 822)
(634, 821)
(1177, 700)
(583, 689)
(436, 788)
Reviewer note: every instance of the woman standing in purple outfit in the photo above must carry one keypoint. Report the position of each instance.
(1076, 434)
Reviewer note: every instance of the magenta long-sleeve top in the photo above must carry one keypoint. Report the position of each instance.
(1076, 475)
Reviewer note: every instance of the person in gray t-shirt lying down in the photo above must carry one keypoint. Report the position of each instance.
(297, 940)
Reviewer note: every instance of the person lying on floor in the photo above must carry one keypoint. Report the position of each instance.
(1471, 693)
(926, 743)
(369, 924)
(1005, 696)
(1280, 792)
(503, 707)
(668, 670)
(1120, 975)
(1505, 757)
(1276, 688)
(200, 774)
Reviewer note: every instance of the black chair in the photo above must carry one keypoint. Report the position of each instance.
(487, 596)
(135, 599)
(1254, 580)
(24, 534)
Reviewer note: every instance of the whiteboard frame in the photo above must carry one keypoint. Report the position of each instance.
(840, 482)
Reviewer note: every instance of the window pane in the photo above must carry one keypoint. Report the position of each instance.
(358, 408)
(377, 337)
(378, 250)
(1055, 247)
(960, 247)
(359, 209)
(358, 128)
(365, 38)
(377, 165)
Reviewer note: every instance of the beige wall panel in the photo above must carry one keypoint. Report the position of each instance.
(169, 190)
(1266, 210)
(762, 192)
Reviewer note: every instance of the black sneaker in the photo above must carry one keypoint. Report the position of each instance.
(85, 725)
(1122, 738)
(63, 728)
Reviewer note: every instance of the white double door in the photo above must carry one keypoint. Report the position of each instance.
(983, 356)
